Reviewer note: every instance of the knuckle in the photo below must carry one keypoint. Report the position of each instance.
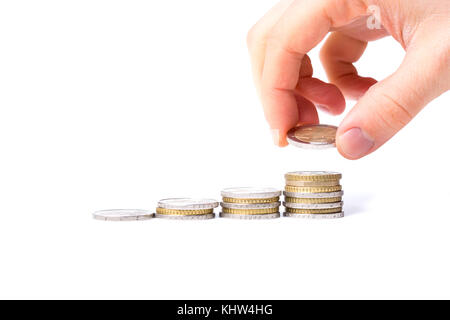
(391, 112)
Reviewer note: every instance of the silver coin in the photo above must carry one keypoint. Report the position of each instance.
(250, 205)
(250, 216)
(187, 217)
(313, 195)
(187, 204)
(313, 136)
(123, 215)
(250, 193)
(331, 205)
(315, 216)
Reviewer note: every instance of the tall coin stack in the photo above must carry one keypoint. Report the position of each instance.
(313, 195)
(186, 209)
(250, 203)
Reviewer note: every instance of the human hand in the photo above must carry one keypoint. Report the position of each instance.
(279, 42)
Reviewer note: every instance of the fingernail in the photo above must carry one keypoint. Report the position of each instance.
(275, 136)
(355, 143)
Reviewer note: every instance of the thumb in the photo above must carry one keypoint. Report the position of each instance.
(391, 104)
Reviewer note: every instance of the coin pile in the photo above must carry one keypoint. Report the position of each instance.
(250, 203)
(186, 209)
(313, 194)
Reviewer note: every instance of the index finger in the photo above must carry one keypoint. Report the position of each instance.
(303, 25)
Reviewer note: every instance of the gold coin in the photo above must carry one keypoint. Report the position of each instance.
(313, 211)
(315, 136)
(236, 200)
(183, 212)
(313, 176)
(325, 183)
(313, 200)
(250, 211)
(313, 189)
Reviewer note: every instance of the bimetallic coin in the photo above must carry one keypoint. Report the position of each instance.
(250, 211)
(250, 193)
(250, 201)
(315, 216)
(313, 211)
(313, 189)
(314, 195)
(250, 216)
(313, 136)
(313, 175)
(188, 204)
(174, 212)
(250, 205)
(123, 215)
(187, 217)
(325, 183)
(312, 200)
(294, 205)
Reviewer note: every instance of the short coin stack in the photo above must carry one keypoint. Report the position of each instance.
(186, 209)
(250, 203)
(313, 194)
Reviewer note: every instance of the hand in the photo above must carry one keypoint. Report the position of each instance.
(279, 42)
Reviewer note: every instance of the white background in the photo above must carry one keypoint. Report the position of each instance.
(116, 104)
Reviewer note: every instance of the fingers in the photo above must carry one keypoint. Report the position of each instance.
(338, 55)
(389, 105)
(300, 28)
(256, 38)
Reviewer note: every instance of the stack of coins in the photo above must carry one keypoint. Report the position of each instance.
(186, 209)
(250, 203)
(313, 194)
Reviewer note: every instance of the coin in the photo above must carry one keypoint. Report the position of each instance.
(313, 189)
(313, 175)
(313, 205)
(314, 195)
(250, 193)
(123, 215)
(187, 217)
(174, 212)
(313, 211)
(313, 136)
(250, 205)
(312, 200)
(187, 203)
(250, 211)
(250, 201)
(315, 216)
(325, 183)
(250, 216)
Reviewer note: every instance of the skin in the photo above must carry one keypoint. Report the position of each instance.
(290, 96)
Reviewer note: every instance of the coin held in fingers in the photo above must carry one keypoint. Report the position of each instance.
(317, 136)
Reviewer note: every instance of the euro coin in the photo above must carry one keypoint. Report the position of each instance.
(315, 216)
(123, 215)
(250, 216)
(250, 193)
(173, 212)
(187, 204)
(313, 189)
(312, 200)
(325, 183)
(313, 176)
(250, 211)
(313, 211)
(314, 195)
(313, 205)
(313, 136)
(187, 217)
(250, 201)
(250, 205)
